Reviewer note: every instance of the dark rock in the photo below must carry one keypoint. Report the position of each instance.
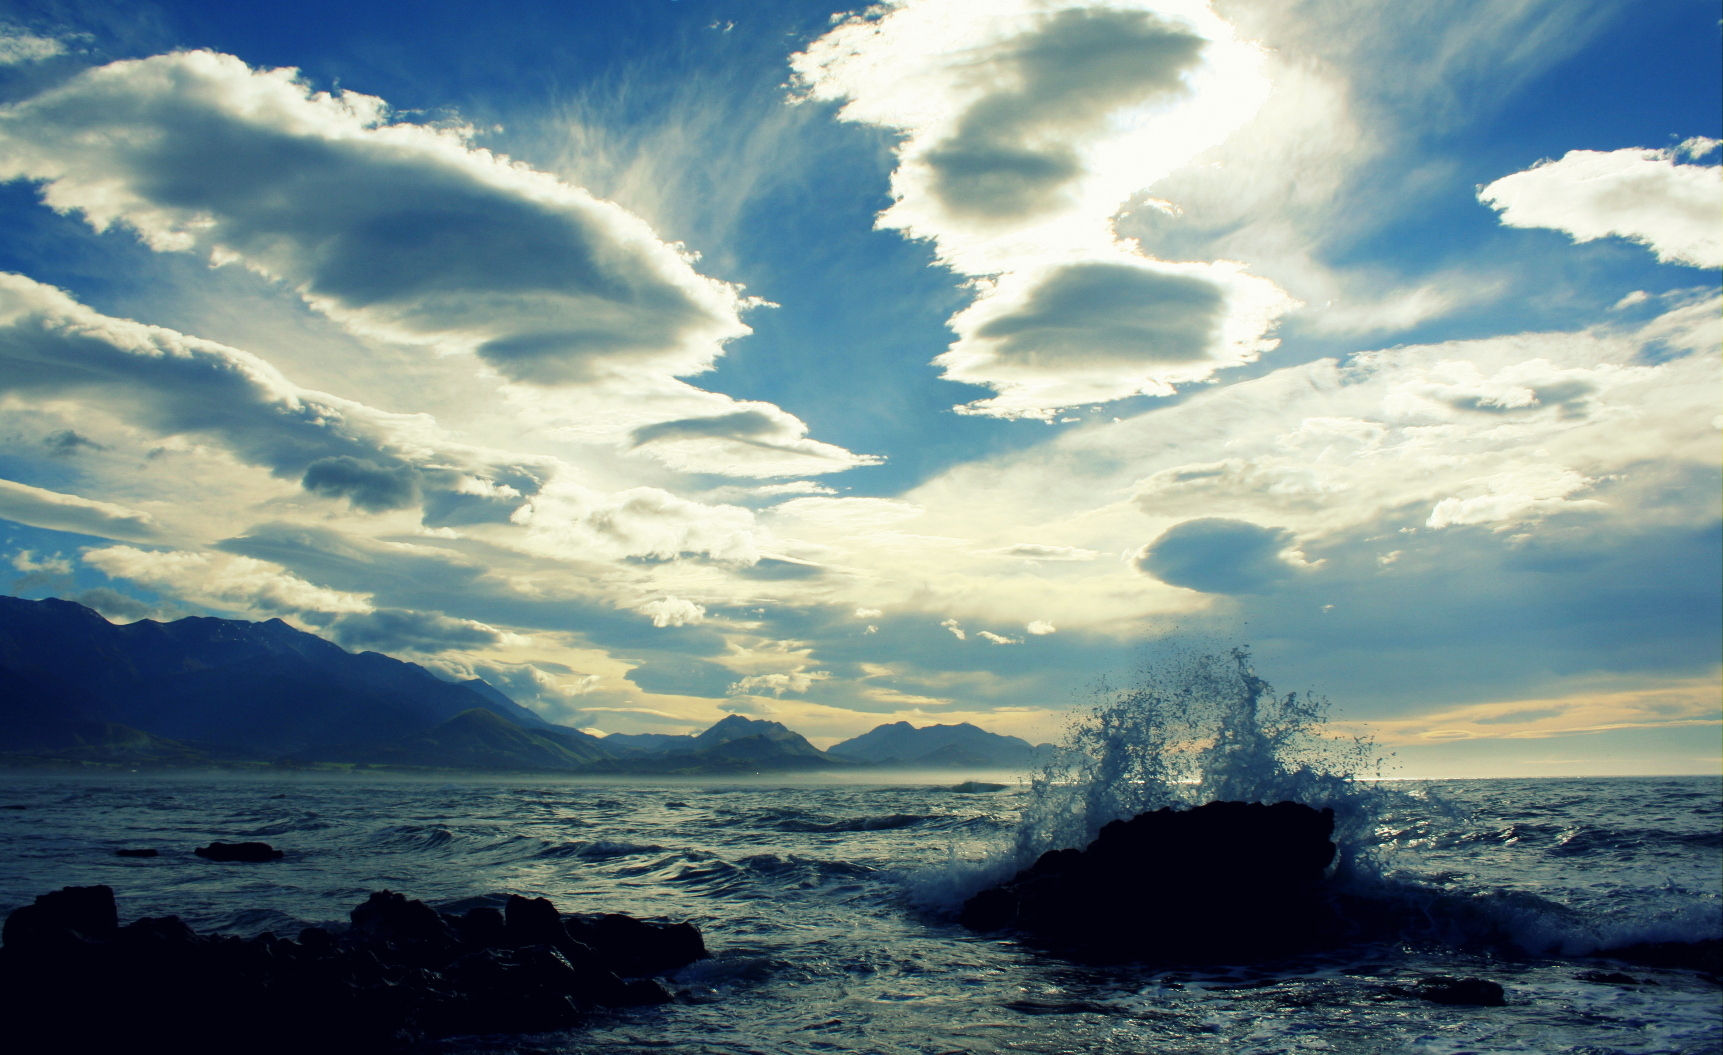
(1229, 882)
(1608, 978)
(402, 973)
(638, 948)
(976, 787)
(239, 852)
(137, 853)
(532, 921)
(1463, 992)
(62, 922)
(1703, 955)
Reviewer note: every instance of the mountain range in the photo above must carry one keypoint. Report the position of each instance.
(76, 689)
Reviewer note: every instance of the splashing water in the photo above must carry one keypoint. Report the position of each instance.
(1194, 727)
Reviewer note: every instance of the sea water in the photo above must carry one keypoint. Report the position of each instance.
(805, 894)
(828, 907)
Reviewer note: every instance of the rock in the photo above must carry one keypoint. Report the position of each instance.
(1705, 954)
(401, 974)
(63, 922)
(1609, 978)
(976, 787)
(1229, 882)
(637, 948)
(239, 852)
(1463, 992)
(532, 921)
(137, 853)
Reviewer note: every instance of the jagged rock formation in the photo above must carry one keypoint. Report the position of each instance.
(73, 980)
(1229, 882)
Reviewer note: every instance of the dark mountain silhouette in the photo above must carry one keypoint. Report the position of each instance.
(733, 745)
(483, 739)
(232, 688)
(77, 689)
(937, 747)
(631, 745)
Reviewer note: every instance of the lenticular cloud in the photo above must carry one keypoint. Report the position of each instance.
(1025, 127)
(398, 230)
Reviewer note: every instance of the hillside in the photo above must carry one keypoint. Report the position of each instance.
(900, 744)
(231, 688)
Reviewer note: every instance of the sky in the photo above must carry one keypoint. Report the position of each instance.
(935, 361)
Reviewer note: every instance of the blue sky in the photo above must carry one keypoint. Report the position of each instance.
(670, 359)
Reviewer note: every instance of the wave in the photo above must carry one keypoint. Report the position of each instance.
(886, 822)
(1194, 728)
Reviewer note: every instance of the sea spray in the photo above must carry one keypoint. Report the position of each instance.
(1193, 727)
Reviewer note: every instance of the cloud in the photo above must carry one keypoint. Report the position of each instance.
(999, 639)
(1104, 329)
(758, 440)
(224, 582)
(1217, 555)
(117, 607)
(396, 230)
(1041, 627)
(792, 683)
(1025, 128)
(1036, 551)
(39, 507)
(18, 47)
(1670, 703)
(171, 384)
(568, 520)
(683, 676)
(672, 611)
(403, 630)
(1643, 195)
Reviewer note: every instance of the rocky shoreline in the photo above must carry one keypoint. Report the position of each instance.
(73, 979)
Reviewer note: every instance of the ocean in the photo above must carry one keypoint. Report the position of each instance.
(827, 906)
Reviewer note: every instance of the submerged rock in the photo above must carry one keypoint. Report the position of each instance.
(1462, 992)
(137, 853)
(1229, 882)
(402, 972)
(239, 852)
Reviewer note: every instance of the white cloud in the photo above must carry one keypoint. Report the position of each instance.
(1025, 128)
(569, 520)
(52, 347)
(224, 582)
(739, 438)
(999, 639)
(396, 230)
(1105, 328)
(1643, 195)
(956, 630)
(672, 611)
(1026, 125)
(1041, 628)
(42, 508)
(18, 47)
(793, 683)
(1036, 551)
